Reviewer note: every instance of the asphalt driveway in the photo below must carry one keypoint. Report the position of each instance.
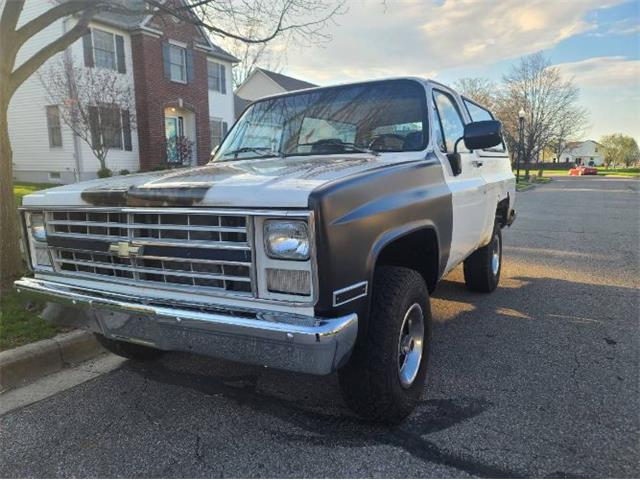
(538, 379)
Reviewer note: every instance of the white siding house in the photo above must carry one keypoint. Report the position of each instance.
(221, 106)
(45, 150)
(261, 83)
(588, 153)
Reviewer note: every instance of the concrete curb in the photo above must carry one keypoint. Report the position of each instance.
(25, 364)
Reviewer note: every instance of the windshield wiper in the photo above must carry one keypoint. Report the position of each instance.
(353, 146)
(258, 150)
(360, 148)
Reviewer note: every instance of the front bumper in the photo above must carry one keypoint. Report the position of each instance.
(278, 340)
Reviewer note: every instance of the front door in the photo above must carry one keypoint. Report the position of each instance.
(173, 130)
(468, 188)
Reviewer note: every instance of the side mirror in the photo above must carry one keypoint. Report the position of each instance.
(484, 134)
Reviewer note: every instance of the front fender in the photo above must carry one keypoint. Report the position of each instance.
(358, 216)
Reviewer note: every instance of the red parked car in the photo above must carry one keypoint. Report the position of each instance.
(582, 170)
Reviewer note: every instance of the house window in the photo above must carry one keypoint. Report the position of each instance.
(218, 130)
(53, 126)
(177, 64)
(104, 49)
(216, 73)
(111, 127)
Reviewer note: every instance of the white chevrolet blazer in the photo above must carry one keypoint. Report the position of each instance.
(311, 241)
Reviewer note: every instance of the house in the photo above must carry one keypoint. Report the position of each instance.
(261, 83)
(588, 153)
(182, 86)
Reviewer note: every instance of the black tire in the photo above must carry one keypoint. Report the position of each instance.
(370, 382)
(132, 351)
(479, 272)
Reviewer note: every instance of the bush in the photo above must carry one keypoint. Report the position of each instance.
(124, 171)
(104, 173)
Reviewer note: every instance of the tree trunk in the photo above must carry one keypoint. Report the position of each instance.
(10, 257)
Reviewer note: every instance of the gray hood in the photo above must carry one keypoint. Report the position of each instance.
(267, 183)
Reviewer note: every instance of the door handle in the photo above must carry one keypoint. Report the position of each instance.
(477, 163)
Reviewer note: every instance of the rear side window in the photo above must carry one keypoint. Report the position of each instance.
(451, 122)
(476, 112)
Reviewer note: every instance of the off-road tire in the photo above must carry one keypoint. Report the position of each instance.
(479, 274)
(132, 351)
(370, 381)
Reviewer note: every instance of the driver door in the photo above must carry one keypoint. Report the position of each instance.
(468, 188)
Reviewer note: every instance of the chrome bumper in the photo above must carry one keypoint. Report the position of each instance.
(278, 340)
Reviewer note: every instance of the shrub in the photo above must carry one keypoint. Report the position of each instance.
(124, 171)
(104, 173)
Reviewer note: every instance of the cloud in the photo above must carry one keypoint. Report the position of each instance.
(415, 37)
(610, 89)
(606, 72)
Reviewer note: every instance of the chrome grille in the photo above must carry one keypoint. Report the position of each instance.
(203, 250)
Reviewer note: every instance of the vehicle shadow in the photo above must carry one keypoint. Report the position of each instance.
(468, 328)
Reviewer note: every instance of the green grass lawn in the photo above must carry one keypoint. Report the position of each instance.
(19, 320)
(619, 172)
(533, 180)
(20, 323)
(22, 189)
(612, 172)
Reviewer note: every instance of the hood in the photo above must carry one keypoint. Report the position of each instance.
(257, 183)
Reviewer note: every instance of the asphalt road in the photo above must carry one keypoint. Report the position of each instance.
(539, 379)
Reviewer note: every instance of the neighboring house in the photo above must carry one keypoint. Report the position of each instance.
(588, 153)
(261, 83)
(182, 86)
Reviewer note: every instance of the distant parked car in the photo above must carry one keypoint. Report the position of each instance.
(582, 170)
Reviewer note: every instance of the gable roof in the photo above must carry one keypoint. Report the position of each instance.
(140, 16)
(286, 82)
(574, 145)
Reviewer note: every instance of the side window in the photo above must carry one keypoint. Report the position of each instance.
(450, 118)
(476, 112)
(437, 130)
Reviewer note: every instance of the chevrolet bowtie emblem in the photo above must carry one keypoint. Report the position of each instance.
(125, 249)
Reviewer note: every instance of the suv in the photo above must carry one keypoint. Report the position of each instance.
(310, 242)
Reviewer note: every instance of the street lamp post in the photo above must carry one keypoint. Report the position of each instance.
(521, 115)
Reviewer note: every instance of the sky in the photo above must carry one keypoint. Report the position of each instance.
(594, 42)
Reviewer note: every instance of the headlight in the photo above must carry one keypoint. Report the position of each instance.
(37, 241)
(287, 240)
(36, 225)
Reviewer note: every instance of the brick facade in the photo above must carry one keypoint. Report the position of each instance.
(154, 92)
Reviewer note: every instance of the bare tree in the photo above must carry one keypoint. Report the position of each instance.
(478, 89)
(549, 102)
(223, 18)
(571, 126)
(252, 56)
(306, 23)
(96, 104)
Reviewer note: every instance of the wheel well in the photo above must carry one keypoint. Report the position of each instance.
(502, 212)
(417, 250)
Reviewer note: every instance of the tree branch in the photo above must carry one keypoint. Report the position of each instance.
(27, 69)
(41, 22)
(11, 14)
(279, 28)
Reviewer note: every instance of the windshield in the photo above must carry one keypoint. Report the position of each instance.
(387, 116)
